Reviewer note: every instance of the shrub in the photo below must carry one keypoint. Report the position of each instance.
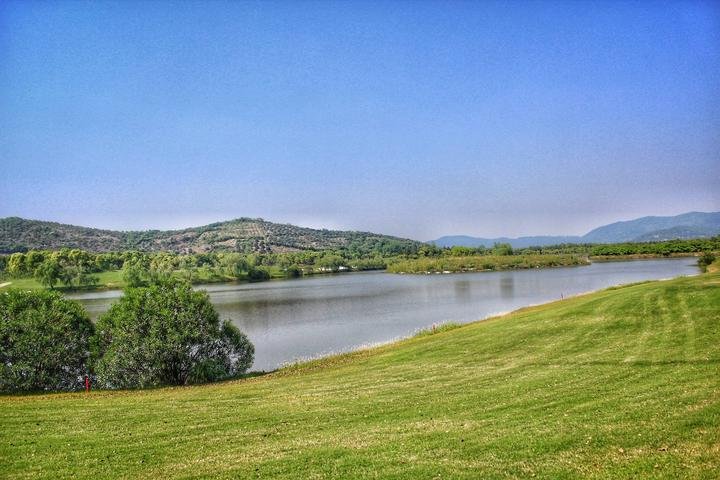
(44, 342)
(167, 334)
(257, 274)
(705, 259)
(293, 271)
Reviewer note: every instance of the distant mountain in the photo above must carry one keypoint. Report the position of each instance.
(241, 235)
(687, 225)
(676, 232)
(520, 242)
(645, 229)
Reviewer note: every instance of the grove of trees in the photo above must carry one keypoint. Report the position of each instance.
(73, 268)
(162, 334)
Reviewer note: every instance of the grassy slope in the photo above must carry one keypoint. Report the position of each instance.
(620, 383)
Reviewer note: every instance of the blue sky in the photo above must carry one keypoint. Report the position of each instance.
(410, 118)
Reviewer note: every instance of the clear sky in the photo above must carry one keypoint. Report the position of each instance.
(417, 119)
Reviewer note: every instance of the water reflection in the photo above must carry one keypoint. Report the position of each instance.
(507, 286)
(287, 320)
(463, 290)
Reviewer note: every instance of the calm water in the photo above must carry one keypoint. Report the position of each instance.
(294, 319)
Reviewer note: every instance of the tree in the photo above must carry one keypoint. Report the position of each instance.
(33, 259)
(167, 334)
(16, 265)
(502, 249)
(256, 274)
(293, 271)
(48, 273)
(331, 262)
(44, 341)
(705, 260)
(134, 275)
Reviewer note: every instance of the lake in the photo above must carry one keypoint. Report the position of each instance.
(309, 317)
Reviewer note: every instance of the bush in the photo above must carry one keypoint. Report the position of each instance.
(44, 342)
(293, 271)
(258, 274)
(167, 334)
(705, 259)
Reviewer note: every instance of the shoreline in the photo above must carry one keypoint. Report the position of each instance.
(318, 360)
(590, 261)
(369, 347)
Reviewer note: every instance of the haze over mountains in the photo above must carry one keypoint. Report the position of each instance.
(645, 229)
(255, 235)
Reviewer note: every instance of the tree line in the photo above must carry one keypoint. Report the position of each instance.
(74, 268)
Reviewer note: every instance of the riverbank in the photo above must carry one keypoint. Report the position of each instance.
(113, 280)
(620, 383)
(484, 263)
(640, 256)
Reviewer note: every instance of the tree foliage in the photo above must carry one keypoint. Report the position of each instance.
(167, 334)
(44, 342)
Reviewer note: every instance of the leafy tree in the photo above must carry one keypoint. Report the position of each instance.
(16, 265)
(234, 265)
(82, 278)
(134, 275)
(293, 271)
(706, 259)
(458, 251)
(256, 274)
(502, 249)
(167, 333)
(33, 259)
(162, 265)
(44, 341)
(48, 273)
(331, 262)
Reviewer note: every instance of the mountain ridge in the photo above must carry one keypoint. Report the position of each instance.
(247, 235)
(256, 235)
(643, 229)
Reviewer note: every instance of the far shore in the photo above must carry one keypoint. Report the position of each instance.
(116, 283)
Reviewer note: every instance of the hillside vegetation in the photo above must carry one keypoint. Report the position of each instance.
(623, 383)
(245, 235)
(479, 263)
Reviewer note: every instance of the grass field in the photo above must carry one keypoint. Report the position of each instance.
(113, 279)
(623, 383)
(109, 279)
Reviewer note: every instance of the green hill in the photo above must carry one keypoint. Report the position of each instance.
(623, 383)
(243, 235)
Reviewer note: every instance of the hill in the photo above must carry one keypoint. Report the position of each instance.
(622, 383)
(242, 235)
(645, 229)
(687, 225)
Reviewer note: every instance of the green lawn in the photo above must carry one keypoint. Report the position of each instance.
(113, 279)
(108, 279)
(623, 383)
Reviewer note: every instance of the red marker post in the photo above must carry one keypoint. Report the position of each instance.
(87, 383)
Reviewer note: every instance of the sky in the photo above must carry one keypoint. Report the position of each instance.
(416, 119)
